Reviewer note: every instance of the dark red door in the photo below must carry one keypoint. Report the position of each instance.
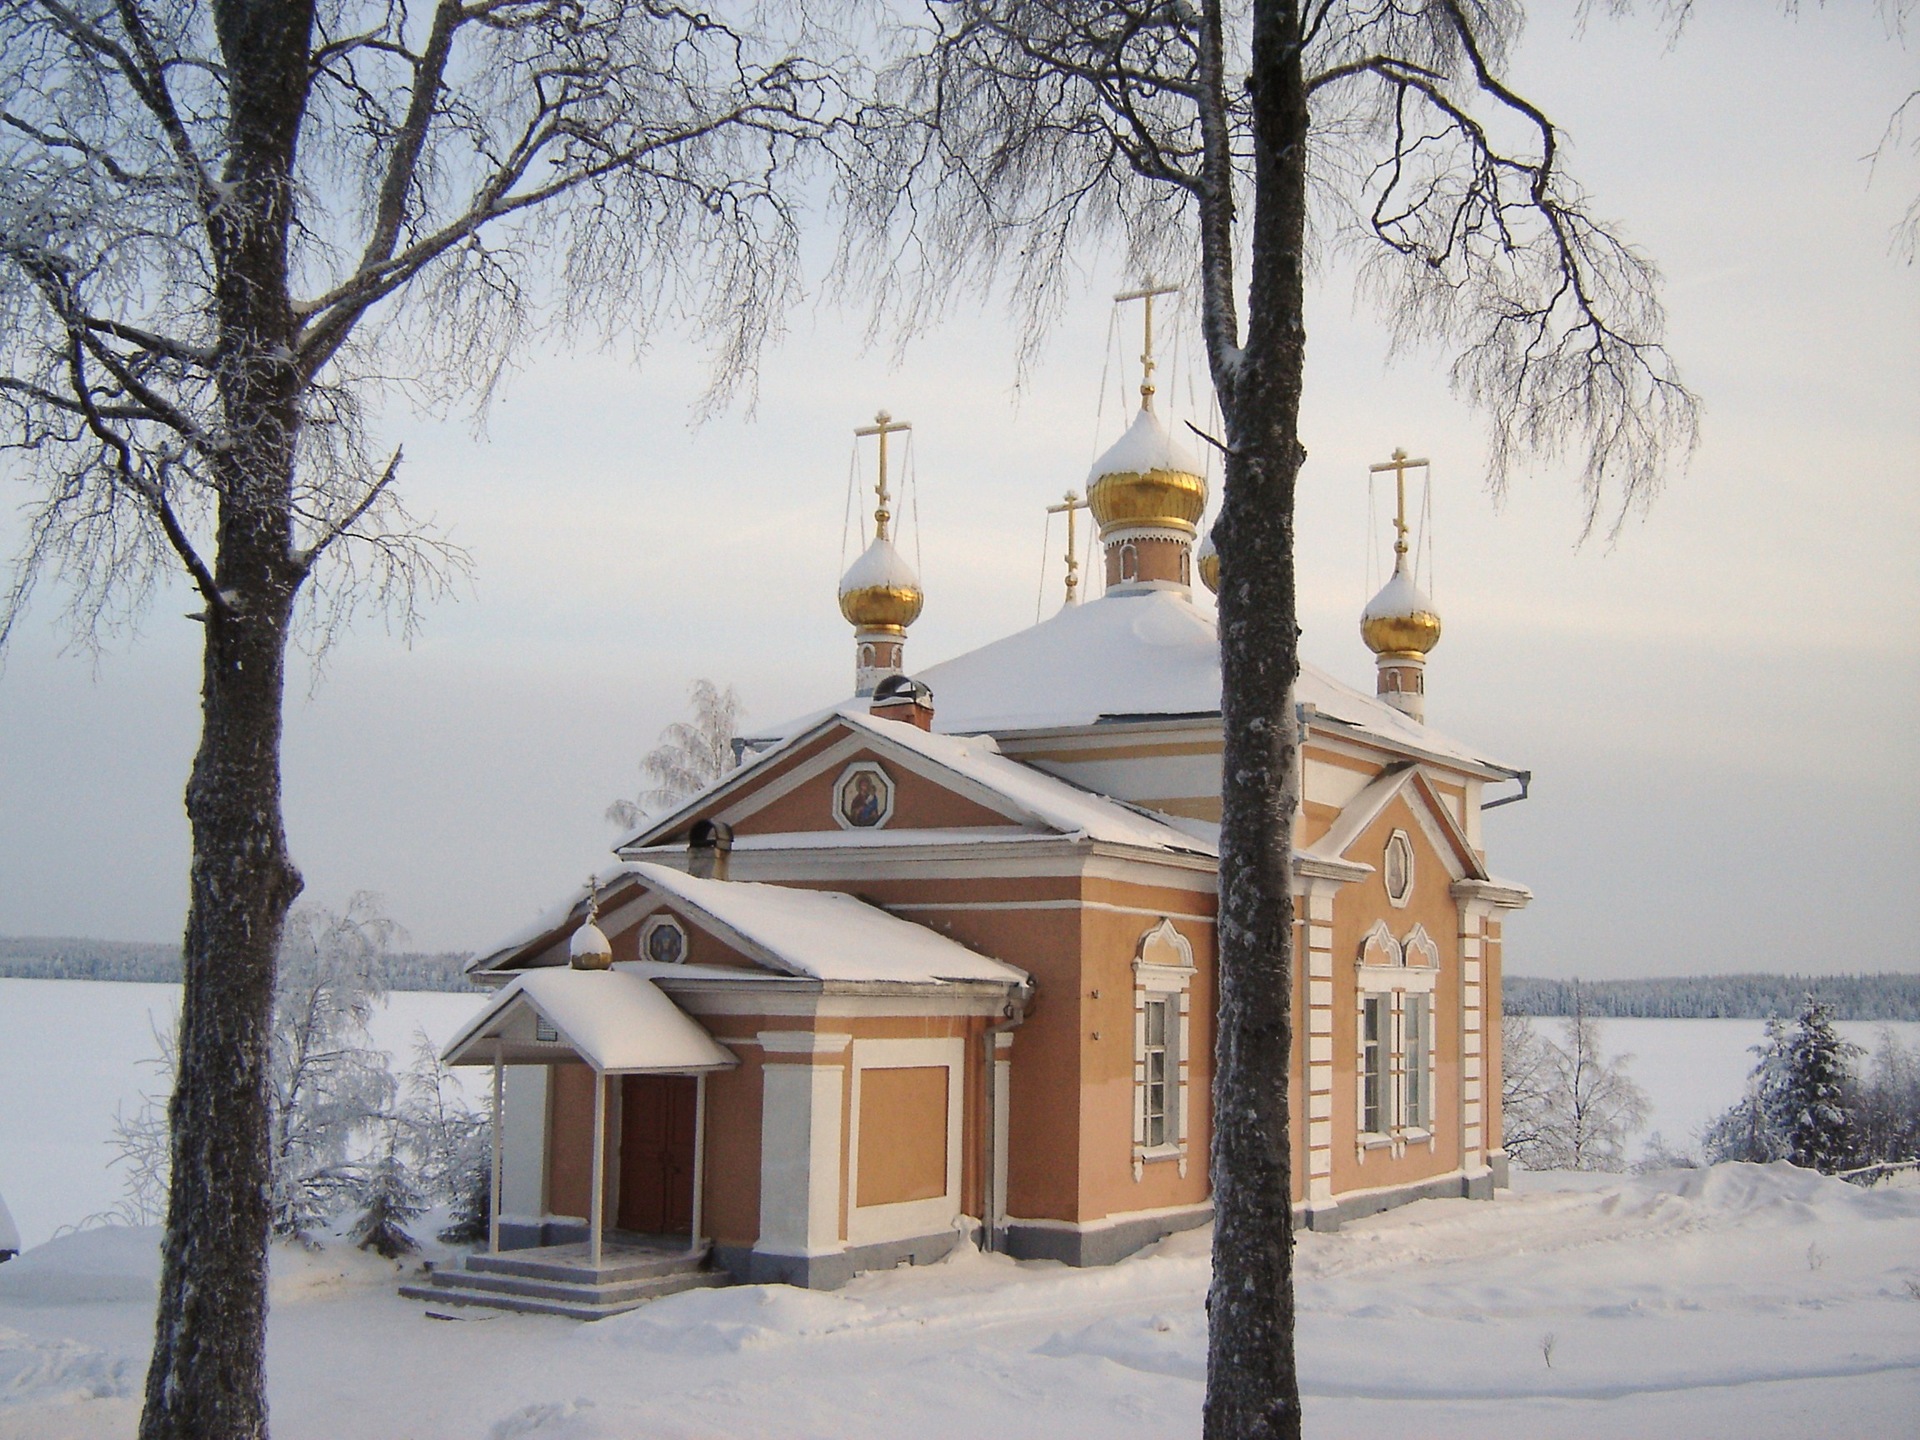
(656, 1154)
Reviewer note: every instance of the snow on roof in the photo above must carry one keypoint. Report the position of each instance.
(1058, 804)
(552, 920)
(880, 564)
(825, 935)
(1138, 653)
(618, 1022)
(1146, 446)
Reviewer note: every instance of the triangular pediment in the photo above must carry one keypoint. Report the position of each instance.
(1430, 811)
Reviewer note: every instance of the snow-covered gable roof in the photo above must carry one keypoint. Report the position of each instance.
(1022, 793)
(1365, 808)
(619, 1023)
(1128, 655)
(808, 934)
(823, 934)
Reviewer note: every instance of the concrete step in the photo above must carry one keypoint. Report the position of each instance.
(643, 1287)
(570, 1264)
(589, 1303)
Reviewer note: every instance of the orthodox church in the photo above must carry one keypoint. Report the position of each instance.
(938, 962)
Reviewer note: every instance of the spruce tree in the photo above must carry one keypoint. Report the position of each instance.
(1816, 1093)
(391, 1202)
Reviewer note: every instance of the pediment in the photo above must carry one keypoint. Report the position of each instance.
(1409, 783)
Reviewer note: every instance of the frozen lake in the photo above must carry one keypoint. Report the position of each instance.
(73, 1052)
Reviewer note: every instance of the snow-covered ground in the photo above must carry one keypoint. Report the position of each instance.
(1742, 1301)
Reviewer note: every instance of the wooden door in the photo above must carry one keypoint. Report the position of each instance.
(657, 1114)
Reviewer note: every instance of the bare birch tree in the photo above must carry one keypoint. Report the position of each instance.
(691, 755)
(228, 229)
(1220, 141)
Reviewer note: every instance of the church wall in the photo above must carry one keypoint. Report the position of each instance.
(1356, 907)
(570, 1146)
(1108, 1098)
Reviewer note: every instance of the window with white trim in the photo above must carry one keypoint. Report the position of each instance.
(1162, 973)
(1416, 1044)
(1394, 1049)
(1373, 1065)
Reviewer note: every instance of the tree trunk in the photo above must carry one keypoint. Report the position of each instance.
(1253, 1388)
(207, 1378)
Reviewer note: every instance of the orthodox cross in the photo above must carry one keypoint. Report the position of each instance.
(883, 426)
(1399, 464)
(1071, 503)
(1146, 292)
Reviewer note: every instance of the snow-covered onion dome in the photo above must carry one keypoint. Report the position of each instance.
(1148, 495)
(589, 949)
(880, 590)
(1400, 626)
(880, 596)
(1207, 562)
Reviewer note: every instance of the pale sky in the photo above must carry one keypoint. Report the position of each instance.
(1719, 708)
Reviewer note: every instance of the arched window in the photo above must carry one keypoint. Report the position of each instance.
(1162, 972)
(1129, 561)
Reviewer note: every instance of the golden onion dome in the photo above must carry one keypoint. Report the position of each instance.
(1207, 562)
(1400, 619)
(880, 590)
(1147, 478)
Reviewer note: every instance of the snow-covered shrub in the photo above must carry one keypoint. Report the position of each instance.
(1889, 1103)
(451, 1144)
(1657, 1154)
(1573, 1107)
(1805, 1102)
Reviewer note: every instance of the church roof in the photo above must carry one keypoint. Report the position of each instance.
(808, 934)
(618, 1022)
(824, 934)
(1133, 655)
(1020, 790)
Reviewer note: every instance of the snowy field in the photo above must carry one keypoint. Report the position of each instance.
(1743, 1301)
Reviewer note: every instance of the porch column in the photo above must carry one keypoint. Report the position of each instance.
(699, 1159)
(597, 1206)
(493, 1180)
(800, 1143)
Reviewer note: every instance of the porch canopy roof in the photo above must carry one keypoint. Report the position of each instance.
(617, 1022)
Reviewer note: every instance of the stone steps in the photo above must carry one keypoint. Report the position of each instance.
(561, 1280)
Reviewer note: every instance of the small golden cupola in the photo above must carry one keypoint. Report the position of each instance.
(1207, 561)
(880, 595)
(1147, 493)
(1400, 624)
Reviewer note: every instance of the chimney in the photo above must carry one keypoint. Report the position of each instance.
(908, 701)
(708, 845)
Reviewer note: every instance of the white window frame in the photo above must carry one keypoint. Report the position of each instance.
(1163, 972)
(1390, 972)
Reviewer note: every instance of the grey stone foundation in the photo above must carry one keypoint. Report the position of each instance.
(830, 1271)
(1102, 1244)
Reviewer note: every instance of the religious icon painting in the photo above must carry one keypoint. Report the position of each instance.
(664, 941)
(863, 796)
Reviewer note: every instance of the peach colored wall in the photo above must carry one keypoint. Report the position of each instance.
(907, 1104)
(570, 1150)
(1355, 908)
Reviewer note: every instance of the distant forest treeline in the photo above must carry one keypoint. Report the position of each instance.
(1719, 997)
(30, 957)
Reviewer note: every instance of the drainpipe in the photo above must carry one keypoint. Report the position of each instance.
(1012, 1014)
